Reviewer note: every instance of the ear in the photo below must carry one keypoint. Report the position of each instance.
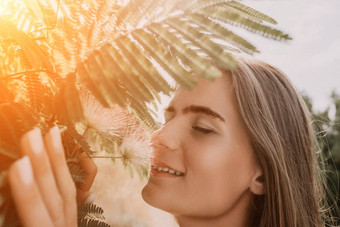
(257, 182)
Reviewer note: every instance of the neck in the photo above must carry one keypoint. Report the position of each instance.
(237, 216)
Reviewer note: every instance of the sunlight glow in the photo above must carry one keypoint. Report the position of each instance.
(3, 6)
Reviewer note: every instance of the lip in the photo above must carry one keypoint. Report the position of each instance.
(155, 172)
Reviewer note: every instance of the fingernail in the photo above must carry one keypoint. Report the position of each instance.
(25, 170)
(55, 138)
(90, 198)
(35, 140)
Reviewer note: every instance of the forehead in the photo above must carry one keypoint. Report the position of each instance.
(217, 95)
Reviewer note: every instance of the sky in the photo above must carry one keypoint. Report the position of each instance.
(312, 59)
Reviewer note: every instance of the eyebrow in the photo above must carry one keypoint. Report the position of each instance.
(197, 109)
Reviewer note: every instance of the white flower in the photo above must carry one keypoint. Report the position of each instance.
(102, 126)
(135, 152)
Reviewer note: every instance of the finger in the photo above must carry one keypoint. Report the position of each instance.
(25, 192)
(32, 145)
(91, 169)
(62, 174)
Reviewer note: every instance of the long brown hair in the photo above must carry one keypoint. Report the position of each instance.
(281, 132)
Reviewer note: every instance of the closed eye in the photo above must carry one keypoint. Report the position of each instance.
(202, 130)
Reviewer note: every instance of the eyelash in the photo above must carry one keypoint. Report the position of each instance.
(202, 130)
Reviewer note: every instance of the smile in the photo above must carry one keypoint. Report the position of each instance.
(167, 170)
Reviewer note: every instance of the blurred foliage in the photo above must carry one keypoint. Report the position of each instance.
(327, 126)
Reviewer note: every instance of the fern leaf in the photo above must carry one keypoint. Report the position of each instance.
(142, 113)
(90, 210)
(252, 13)
(35, 91)
(199, 39)
(91, 223)
(91, 83)
(128, 75)
(91, 215)
(110, 88)
(74, 143)
(34, 10)
(189, 57)
(67, 105)
(15, 119)
(49, 13)
(164, 58)
(223, 33)
(37, 58)
(194, 6)
(226, 15)
(132, 13)
(141, 61)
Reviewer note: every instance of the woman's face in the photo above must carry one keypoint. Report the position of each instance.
(203, 161)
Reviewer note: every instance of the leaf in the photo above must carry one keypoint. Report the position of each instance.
(90, 210)
(229, 16)
(35, 91)
(74, 143)
(199, 39)
(91, 215)
(15, 119)
(252, 13)
(37, 57)
(188, 56)
(164, 57)
(91, 223)
(67, 105)
(223, 33)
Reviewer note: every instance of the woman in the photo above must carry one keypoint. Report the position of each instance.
(239, 151)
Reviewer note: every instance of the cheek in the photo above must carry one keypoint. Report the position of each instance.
(219, 178)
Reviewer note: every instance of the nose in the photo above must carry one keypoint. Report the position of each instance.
(166, 137)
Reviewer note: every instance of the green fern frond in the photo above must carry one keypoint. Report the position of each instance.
(90, 214)
(49, 13)
(132, 13)
(99, 73)
(223, 33)
(35, 91)
(142, 64)
(128, 76)
(15, 119)
(184, 51)
(164, 57)
(226, 15)
(142, 113)
(252, 13)
(196, 5)
(67, 104)
(90, 210)
(91, 223)
(74, 143)
(199, 39)
(37, 58)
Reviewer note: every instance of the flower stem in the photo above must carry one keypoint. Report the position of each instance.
(103, 156)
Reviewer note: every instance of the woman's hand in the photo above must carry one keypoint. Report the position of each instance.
(41, 185)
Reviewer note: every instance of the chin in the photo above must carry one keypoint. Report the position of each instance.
(146, 194)
(156, 199)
